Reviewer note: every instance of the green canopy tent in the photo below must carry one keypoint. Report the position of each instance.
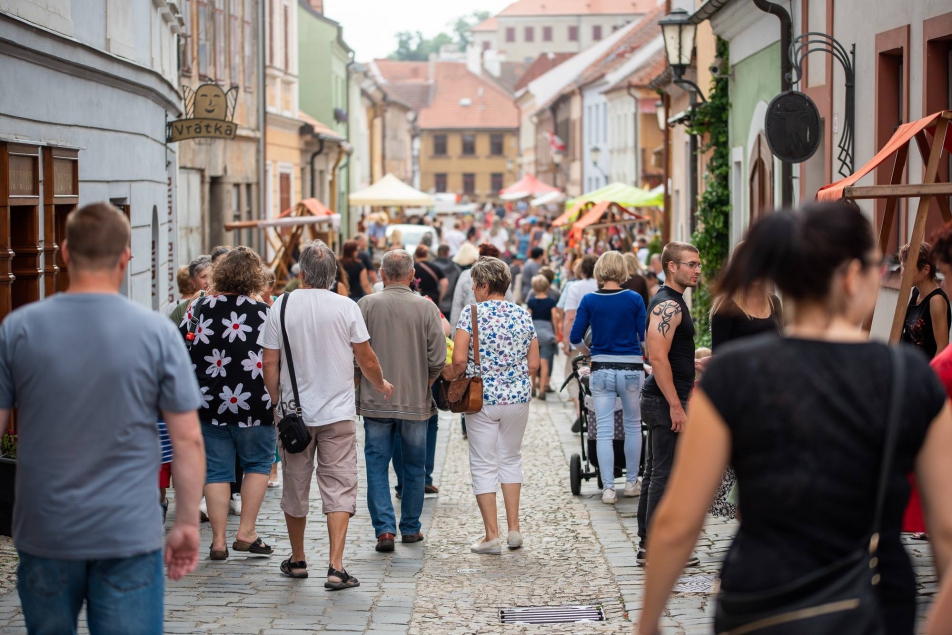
(624, 195)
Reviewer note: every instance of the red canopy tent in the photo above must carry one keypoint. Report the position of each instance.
(931, 135)
(526, 186)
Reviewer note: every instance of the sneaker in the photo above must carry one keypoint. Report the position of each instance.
(491, 547)
(642, 557)
(609, 497)
(202, 511)
(234, 505)
(514, 539)
(693, 561)
(632, 489)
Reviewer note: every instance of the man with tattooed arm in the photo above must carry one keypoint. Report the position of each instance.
(670, 352)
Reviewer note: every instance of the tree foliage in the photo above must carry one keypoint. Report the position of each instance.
(412, 46)
(710, 120)
(463, 27)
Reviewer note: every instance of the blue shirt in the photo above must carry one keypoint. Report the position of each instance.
(617, 318)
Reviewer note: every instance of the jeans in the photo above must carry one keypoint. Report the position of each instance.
(379, 445)
(662, 441)
(123, 595)
(432, 428)
(606, 385)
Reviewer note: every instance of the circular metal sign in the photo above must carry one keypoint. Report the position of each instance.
(792, 127)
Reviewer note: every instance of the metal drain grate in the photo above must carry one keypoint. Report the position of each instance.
(551, 614)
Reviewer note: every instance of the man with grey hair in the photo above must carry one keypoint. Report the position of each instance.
(200, 271)
(326, 334)
(407, 334)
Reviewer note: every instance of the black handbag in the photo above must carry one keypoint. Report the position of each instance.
(839, 599)
(293, 433)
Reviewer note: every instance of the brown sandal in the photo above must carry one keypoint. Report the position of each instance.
(257, 547)
(214, 554)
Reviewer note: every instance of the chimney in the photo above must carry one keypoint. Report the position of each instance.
(318, 5)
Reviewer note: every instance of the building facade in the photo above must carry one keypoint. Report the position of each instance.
(283, 127)
(88, 85)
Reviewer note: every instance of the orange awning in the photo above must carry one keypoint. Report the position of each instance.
(591, 217)
(901, 137)
(567, 216)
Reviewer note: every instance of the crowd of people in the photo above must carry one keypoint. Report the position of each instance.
(784, 429)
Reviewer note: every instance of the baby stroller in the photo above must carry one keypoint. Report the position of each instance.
(588, 432)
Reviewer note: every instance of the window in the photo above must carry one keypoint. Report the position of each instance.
(469, 183)
(205, 35)
(546, 34)
(185, 40)
(234, 41)
(892, 110)
(573, 34)
(469, 145)
(496, 179)
(486, 45)
(287, 37)
(495, 145)
(220, 40)
(439, 145)
(597, 32)
(440, 182)
(284, 193)
(248, 21)
(530, 34)
(510, 34)
(271, 32)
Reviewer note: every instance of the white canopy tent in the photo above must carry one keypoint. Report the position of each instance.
(391, 191)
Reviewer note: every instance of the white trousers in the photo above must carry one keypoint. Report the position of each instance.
(495, 445)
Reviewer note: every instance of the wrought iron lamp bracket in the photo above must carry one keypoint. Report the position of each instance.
(816, 42)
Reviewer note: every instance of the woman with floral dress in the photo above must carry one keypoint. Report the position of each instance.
(236, 417)
(508, 356)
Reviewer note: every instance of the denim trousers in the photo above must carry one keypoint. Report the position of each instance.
(607, 384)
(123, 595)
(432, 427)
(659, 457)
(381, 438)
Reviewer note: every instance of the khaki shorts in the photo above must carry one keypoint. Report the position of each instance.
(335, 446)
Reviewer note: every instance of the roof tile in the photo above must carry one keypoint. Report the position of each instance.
(577, 7)
(488, 106)
(644, 32)
(542, 64)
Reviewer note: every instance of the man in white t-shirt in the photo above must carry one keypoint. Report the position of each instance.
(326, 333)
(454, 238)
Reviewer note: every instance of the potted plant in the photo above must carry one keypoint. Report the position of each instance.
(8, 473)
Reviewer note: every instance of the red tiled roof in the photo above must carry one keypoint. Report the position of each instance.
(403, 71)
(320, 129)
(489, 24)
(542, 65)
(416, 95)
(511, 73)
(576, 7)
(644, 32)
(489, 106)
(651, 69)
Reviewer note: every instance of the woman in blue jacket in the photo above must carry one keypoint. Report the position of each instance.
(617, 317)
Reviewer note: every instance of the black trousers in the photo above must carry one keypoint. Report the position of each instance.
(659, 456)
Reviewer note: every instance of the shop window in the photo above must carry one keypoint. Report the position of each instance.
(892, 110)
(439, 182)
(469, 183)
(510, 34)
(439, 145)
(530, 34)
(573, 34)
(546, 34)
(469, 145)
(597, 32)
(496, 181)
(60, 197)
(495, 145)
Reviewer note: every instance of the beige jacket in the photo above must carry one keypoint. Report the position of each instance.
(407, 335)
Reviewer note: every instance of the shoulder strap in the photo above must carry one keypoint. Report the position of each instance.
(429, 271)
(892, 436)
(287, 352)
(479, 370)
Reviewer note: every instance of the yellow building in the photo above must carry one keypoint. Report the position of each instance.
(475, 163)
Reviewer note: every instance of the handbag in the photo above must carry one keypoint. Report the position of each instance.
(466, 395)
(293, 433)
(840, 598)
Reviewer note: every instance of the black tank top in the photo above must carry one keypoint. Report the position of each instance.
(917, 329)
(681, 355)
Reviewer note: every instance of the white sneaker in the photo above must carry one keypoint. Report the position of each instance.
(609, 497)
(515, 540)
(202, 511)
(234, 505)
(490, 547)
(632, 489)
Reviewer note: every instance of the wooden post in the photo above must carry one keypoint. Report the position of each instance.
(918, 231)
(925, 151)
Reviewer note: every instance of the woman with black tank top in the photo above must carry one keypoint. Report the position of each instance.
(803, 421)
(929, 315)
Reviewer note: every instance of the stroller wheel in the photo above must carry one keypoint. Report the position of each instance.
(575, 471)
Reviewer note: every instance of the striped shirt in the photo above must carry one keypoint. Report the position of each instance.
(165, 443)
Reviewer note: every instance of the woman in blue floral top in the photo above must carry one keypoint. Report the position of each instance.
(509, 356)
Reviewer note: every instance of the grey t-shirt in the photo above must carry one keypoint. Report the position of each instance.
(88, 374)
(530, 269)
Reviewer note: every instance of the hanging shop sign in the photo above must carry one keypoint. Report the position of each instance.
(792, 127)
(209, 114)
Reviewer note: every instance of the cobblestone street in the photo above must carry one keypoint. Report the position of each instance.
(577, 551)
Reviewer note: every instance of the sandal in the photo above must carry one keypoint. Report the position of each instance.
(215, 554)
(288, 567)
(257, 547)
(920, 535)
(347, 581)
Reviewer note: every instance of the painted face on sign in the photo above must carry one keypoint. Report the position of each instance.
(210, 102)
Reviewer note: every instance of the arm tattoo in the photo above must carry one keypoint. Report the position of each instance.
(666, 311)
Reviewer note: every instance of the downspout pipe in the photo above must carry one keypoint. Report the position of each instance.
(320, 149)
(786, 73)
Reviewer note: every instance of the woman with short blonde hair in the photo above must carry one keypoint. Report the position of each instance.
(611, 266)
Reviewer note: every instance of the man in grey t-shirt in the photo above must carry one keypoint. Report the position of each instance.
(531, 269)
(89, 372)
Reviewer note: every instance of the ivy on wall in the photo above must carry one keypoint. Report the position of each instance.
(710, 121)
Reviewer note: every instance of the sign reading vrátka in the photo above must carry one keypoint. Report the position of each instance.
(209, 114)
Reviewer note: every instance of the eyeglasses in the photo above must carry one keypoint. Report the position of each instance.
(692, 265)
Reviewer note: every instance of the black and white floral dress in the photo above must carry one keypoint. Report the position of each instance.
(227, 360)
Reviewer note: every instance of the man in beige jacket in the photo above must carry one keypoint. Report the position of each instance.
(407, 335)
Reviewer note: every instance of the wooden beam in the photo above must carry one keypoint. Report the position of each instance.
(918, 232)
(925, 151)
(912, 190)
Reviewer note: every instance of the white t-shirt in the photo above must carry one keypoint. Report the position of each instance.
(454, 239)
(322, 327)
(500, 241)
(575, 293)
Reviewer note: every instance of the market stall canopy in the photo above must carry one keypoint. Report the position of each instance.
(391, 191)
(613, 214)
(624, 195)
(569, 215)
(545, 199)
(524, 187)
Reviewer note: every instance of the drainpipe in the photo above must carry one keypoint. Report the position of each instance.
(320, 149)
(636, 129)
(666, 160)
(786, 69)
(262, 128)
(343, 149)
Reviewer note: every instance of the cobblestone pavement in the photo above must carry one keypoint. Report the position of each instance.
(577, 551)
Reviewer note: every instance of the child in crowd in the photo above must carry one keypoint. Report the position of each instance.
(540, 306)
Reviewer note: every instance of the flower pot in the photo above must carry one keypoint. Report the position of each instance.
(8, 477)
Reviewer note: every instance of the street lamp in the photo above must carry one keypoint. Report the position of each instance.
(678, 32)
(659, 113)
(594, 154)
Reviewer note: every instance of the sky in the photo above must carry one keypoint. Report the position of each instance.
(370, 25)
